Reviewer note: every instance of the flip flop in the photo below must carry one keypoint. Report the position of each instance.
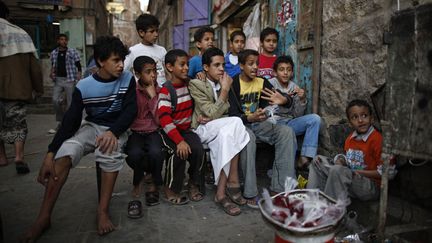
(135, 209)
(21, 167)
(234, 193)
(227, 206)
(152, 198)
(194, 194)
(252, 202)
(177, 200)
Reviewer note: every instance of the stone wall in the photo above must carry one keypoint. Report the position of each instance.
(354, 58)
(124, 23)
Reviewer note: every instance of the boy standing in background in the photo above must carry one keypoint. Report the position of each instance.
(147, 27)
(268, 40)
(237, 44)
(204, 38)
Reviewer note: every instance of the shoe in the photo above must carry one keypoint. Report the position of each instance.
(21, 167)
(152, 198)
(135, 209)
(52, 131)
(253, 202)
(234, 193)
(228, 207)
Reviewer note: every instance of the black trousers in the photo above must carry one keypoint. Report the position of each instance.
(146, 153)
(175, 166)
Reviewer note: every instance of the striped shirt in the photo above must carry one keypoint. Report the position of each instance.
(181, 118)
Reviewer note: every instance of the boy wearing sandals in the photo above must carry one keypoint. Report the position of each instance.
(108, 97)
(225, 136)
(144, 146)
(181, 142)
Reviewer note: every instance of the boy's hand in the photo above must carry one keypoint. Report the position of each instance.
(183, 150)
(202, 119)
(47, 170)
(257, 116)
(151, 90)
(301, 94)
(226, 82)
(273, 97)
(107, 142)
(201, 76)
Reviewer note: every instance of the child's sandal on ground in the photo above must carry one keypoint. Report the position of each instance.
(194, 194)
(152, 198)
(253, 202)
(177, 200)
(234, 193)
(228, 207)
(135, 209)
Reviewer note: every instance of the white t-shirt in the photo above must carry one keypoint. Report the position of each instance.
(155, 51)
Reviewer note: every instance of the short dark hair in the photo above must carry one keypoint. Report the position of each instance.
(140, 61)
(360, 103)
(171, 56)
(209, 53)
(243, 55)
(4, 10)
(146, 21)
(236, 33)
(62, 35)
(199, 34)
(283, 59)
(268, 31)
(105, 46)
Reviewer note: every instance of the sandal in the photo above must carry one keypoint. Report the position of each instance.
(234, 193)
(227, 206)
(194, 194)
(21, 167)
(135, 209)
(253, 202)
(152, 198)
(177, 200)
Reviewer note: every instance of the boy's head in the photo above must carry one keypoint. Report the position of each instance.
(176, 62)
(109, 53)
(145, 70)
(269, 38)
(204, 38)
(147, 27)
(359, 114)
(62, 40)
(248, 60)
(237, 41)
(283, 67)
(4, 10)
(213, 62)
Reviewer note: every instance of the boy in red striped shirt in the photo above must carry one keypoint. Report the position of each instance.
(182, 143)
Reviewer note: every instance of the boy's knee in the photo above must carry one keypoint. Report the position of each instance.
(337, 170)
(315, 119)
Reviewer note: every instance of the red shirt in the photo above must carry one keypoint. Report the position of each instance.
(265, 66)
(181, 118)
(363, 152)
(146, 119)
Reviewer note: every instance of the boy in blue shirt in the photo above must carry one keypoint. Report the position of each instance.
(204, 38)
(237, 43)
(109, 99)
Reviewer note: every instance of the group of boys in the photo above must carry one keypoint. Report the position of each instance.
(169, 120)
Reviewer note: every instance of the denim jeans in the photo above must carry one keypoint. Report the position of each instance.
(284, 140)
(309, 125)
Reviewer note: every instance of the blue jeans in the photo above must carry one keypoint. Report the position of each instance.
(309, 125)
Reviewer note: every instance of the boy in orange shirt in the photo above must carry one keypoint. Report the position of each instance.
(357, 173)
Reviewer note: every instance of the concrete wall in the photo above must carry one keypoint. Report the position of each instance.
(354, 58)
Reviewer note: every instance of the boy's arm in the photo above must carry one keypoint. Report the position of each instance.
(369, 173)
(234, 103)
(128, 61)
(129, 111)
(204, 103)
(70, 124)
(165, 112)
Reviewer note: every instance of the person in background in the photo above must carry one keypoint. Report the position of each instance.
(20, 81)
(268, 40)
(203, 38)
(237, 44)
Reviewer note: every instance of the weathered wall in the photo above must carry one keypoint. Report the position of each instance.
(166, 15)
(354, 58)
(124, 23)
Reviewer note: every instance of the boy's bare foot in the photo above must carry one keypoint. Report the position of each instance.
(36, 230)
(105, 225)
(136, 191)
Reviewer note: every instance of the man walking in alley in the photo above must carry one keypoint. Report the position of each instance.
(20, 81)
(65, 72)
